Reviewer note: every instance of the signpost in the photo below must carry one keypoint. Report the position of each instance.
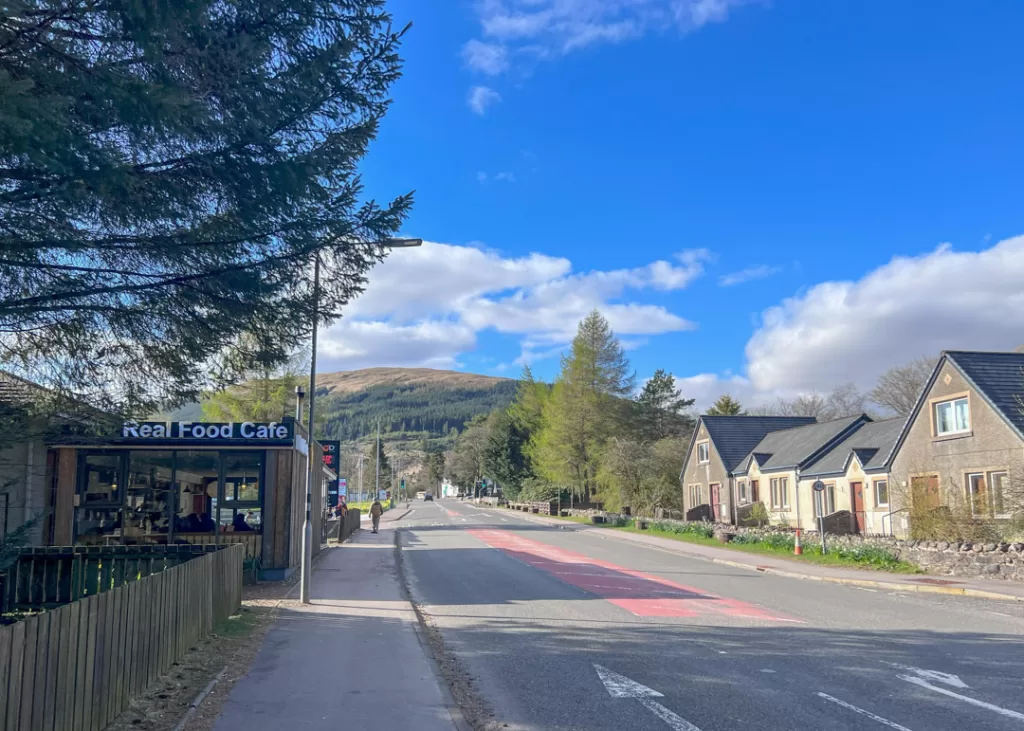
(819, 498)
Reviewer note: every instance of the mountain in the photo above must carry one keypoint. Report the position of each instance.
(420, 402)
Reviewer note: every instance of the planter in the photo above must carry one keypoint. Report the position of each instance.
(597, 519)
(564, 513)
(641, 524)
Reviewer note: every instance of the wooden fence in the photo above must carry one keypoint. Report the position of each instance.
(76, 667)
(48, 577)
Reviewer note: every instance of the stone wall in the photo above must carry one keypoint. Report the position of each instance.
(949, 558)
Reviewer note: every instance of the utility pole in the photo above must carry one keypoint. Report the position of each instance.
(311, 461)
(376, 460)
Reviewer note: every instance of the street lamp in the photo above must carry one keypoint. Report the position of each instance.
(313, 465)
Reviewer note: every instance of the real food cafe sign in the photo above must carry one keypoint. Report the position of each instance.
(245, 431)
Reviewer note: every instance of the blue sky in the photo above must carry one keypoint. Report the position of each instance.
(637, 155)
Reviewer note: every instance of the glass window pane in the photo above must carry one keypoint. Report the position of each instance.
(963, 418)
(242, 476)
(196, 490)
(882, 492)
(150, 496)
(98, 526)
(944, 418)
(100, 479)
(977, 494)
(998, 482)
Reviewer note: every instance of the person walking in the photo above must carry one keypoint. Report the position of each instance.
(376, 510)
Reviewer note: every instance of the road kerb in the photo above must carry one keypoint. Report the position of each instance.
(867, 583)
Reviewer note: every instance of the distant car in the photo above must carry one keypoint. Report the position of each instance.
(428, 496)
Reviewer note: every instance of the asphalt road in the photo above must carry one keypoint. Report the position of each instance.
(553, 624)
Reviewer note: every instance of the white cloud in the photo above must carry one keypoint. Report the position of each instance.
(487, 58)
(749, 275)
(482, 177)
(426, 305)
(552, 28)
(705, 388)
(505, 177)
(852, 331)
(481, 97)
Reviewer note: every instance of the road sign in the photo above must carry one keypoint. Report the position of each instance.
(819, 485)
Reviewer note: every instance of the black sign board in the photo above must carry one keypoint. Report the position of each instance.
(196, 431)
(332, 455)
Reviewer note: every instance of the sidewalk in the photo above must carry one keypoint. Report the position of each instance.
(953, 585)
(351, 659)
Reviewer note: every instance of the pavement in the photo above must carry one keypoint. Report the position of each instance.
(561, 628)
(352, 659)
(958, 586)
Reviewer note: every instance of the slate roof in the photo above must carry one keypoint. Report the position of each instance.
(791, 448)
(872, 443)
(736, 436)
(998, 377)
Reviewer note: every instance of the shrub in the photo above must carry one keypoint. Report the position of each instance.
(758, 514)
(703, 530)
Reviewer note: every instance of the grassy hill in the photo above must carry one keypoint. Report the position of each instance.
(416, 403)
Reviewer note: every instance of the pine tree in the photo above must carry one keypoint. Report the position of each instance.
(660, 408)
(585, 409)
(167, 172)
(726, 405)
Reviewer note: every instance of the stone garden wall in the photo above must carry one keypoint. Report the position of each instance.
(950, 558)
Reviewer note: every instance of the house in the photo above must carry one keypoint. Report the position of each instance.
(735, 462)
(774, 470)
(718, 445)
(962, 446)
(855, 478)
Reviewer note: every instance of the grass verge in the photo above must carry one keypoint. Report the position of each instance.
(852, 557)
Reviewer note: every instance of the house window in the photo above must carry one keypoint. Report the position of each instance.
(881, 493)
(744, 497)
(780, 493)
(696, 498)
(826, 497)
(703, 453)
(952, 417)
(987, 494)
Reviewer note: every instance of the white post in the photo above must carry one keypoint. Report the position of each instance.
(311, 462)
(376, 460)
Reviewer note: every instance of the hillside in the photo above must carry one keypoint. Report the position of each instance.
(412, 401)
(419, 403)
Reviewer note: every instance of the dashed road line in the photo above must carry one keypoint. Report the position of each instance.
(966, 699)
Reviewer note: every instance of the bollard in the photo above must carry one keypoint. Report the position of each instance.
(798, 550)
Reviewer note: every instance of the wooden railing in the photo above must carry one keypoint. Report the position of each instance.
(48, 577)
(76, 667)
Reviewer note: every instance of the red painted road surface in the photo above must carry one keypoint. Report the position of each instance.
(642, 594)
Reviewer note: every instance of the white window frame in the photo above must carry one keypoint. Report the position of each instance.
(696, 495)
(744, 495)
(780, 493)
(992, 491)
(951, 403)
(879, 503)
(826, 496)
(706, 457)
(984, 510)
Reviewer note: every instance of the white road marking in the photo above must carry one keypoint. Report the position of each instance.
(973, 701)
(861, 711)
(619, 686)
(676, 723)
(947, 678)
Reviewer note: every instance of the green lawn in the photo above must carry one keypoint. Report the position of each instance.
(812, 553)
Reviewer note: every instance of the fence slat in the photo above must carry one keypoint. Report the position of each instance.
(17, 673)
(39, 696)
(6, 660)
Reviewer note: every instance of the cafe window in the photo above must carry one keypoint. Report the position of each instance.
(101, 480)
(150, 496)
(240, 510)
(196, 480)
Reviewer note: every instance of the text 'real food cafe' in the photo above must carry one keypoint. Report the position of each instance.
(193, 482)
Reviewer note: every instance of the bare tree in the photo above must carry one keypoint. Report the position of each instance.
(840, 402)
(899, 387)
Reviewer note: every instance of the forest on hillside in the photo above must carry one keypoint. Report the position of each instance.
(434, 411)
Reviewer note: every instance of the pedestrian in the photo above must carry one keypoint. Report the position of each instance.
(376, 510)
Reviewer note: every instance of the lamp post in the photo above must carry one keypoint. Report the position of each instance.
(312, 461)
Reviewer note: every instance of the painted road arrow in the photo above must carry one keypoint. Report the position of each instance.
(619, 686)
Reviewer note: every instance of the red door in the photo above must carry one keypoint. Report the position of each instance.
(716, 502)
(857, 488)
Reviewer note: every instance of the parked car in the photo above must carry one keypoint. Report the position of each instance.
(428, 496)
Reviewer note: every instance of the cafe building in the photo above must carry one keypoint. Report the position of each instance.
(158, 483)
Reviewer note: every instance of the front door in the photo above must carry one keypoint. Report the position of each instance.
(754, 497)
(857, 488)
(716, 502)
